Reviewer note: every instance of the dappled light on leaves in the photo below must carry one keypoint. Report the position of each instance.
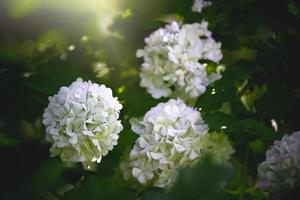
(229, 132)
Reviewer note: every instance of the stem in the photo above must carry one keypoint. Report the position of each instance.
(56, 195)
(244, 174)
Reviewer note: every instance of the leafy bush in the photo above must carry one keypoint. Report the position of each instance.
(49, 44)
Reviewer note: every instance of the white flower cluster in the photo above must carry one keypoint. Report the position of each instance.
(172, 58)
(171, 135)
(199, 5)
(82, 122)
(280, 172)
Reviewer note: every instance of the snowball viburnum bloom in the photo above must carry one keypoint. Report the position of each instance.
(199, 5)
(82, 122)
(280, 172)
(174, 60)
(171, 135)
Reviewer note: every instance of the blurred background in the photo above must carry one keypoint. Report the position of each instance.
(48, 44)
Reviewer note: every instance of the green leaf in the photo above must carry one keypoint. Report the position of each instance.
(155, 193)
(96, 188)
(48, 177)
(201, 182)
(217, 121)
(50, 77)
(223, 90)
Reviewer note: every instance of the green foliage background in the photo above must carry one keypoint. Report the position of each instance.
(47, 44)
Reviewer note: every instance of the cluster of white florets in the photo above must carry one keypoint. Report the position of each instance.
(280, 172)
(171, 135)
(199, 5)
(82, 122)
(174, 60)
